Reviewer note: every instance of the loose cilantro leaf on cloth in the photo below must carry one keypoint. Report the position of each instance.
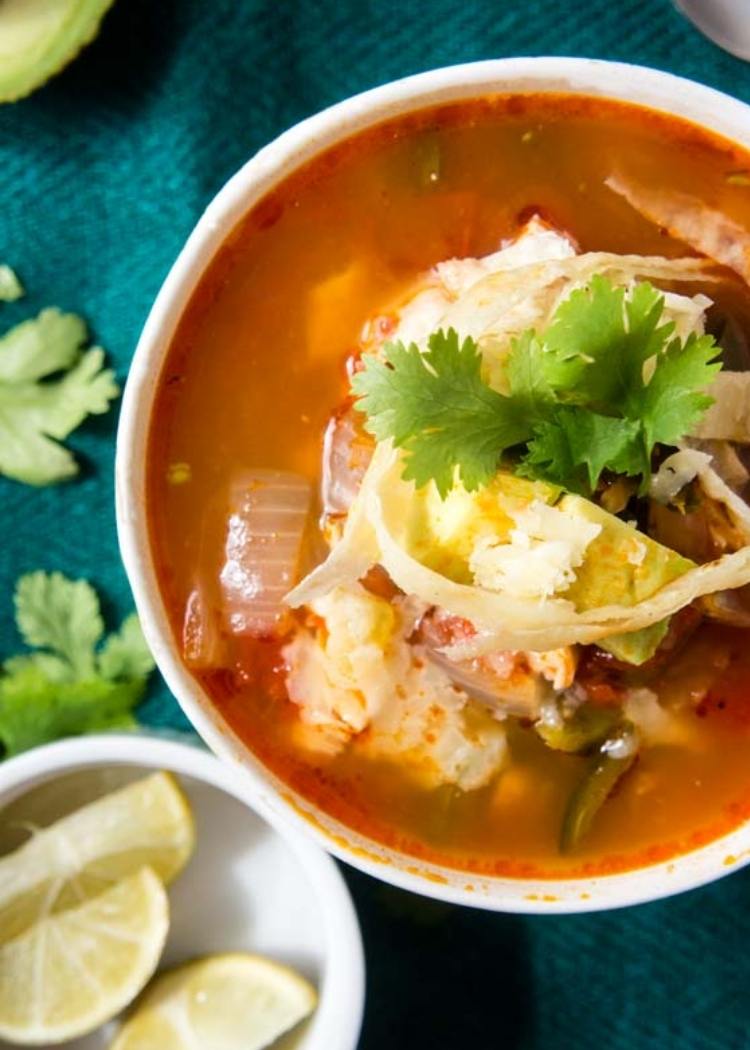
(48, 386)
(436, 406)
(125, 653)
(35, 710)
(65, 685)
(62, 617)
(604, 383)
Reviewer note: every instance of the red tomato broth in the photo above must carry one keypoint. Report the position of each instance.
(257, 366)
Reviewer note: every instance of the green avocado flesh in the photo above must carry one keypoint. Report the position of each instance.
(39, 37)
(638, 646)
(622, 567)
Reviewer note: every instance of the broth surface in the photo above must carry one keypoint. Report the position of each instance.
(258, 365)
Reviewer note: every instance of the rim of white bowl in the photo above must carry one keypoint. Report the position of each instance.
(337, 1021)
(652, 88)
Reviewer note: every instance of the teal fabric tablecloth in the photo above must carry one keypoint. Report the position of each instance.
(102, 175)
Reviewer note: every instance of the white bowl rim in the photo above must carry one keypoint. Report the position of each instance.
(342, 992)
(654, 89)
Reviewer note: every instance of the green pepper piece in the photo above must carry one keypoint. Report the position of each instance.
(611, 763)
(578, 732)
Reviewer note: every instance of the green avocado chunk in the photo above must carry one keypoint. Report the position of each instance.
(38, 38)
(622, 567)
(638, 646)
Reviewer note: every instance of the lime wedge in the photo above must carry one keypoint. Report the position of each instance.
(72, 971)
(225, 1002)
(146, 823)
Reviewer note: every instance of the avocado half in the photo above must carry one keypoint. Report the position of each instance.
(38, 38)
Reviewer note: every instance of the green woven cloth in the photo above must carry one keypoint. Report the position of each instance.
(102, 175)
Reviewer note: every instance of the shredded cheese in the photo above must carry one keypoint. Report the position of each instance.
(546, 547)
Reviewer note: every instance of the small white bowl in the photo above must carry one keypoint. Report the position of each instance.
(649, 87)
(251, 885)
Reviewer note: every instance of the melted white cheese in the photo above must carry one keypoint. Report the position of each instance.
(546, 547)
(357, 680)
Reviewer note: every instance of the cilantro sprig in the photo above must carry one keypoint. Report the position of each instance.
(605, 383)
(48, 385)
(437, 407)
(68, 683)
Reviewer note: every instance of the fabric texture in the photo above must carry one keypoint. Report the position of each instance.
(102, 175)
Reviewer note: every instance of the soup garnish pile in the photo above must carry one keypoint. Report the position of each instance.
(447, 476)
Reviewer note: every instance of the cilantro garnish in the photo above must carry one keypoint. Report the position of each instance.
(48, 385)
(604, 384)
(66, 685)
(438, 408)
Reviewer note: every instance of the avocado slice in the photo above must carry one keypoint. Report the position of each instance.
(622, 567)
(38, 38)
(638, 646)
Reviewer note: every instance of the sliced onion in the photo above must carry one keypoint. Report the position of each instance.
(347, 451)
(677, 471)
(268, 514)
(725, 460)
(520, 693)
(204, 646)
(736, 508)
(501, 681)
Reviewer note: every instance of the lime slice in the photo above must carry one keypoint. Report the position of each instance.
(147, 823)
(225, 1002)
(74, 970)
(39, 37)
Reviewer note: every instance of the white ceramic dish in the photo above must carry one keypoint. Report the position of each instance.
(252, 884)
(660, 91)
(725, 22)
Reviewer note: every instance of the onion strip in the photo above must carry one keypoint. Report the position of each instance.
(264, 534)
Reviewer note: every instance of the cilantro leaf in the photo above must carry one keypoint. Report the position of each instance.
(583, 341)
(125, 653)
(38, 410)
(599, 341)
(436, 406)
(33, 349)
(61, 616)
(572, 448)
(64, 685)
(672, 401)
(526, 369)
(646, 337)
(604, 384)
(53, 667)
(35, 710)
